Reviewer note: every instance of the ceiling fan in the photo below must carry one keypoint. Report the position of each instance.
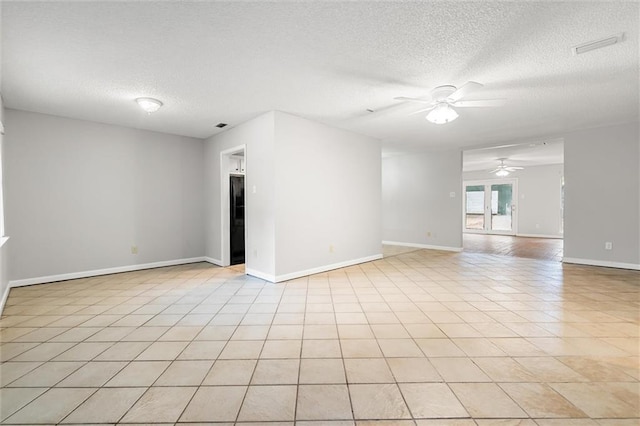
(504, 170)
(444, 100)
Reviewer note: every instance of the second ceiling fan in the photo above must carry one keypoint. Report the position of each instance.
(504, 170)
(444, 100)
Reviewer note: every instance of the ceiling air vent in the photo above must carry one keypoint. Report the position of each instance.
(597, 44)
(221, 125)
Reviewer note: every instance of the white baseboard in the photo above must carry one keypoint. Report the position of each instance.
(267, 277)
(312, 271)
(423, 246)
(325, 268)
(557, 237)
(106, 271)
(5, 296)
(604, 263)
(213, 261)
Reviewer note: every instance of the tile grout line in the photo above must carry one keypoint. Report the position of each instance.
(344, 366)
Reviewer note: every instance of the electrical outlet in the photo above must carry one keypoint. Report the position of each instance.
(608, 245)
(331, 248)
(134, 249)
(452, 195)
(255, 252)
(429, 234)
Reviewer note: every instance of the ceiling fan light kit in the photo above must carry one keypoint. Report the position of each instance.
(445, 100)
(503, 170)
(442, 114)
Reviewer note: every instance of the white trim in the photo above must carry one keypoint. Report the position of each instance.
(224, 202)
(3, 240)
(261, 275)
(605, 263)
(213, 261)
(312, 271)
(515, 206)
(325, 268)
(423, 246)
(106, 271)
(5, 296)
(557, 237)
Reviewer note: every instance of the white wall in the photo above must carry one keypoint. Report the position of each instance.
(4, 276)
(315, 187)
(328, 202)
(539, 198)
(79, 194)
(602, 196)
(258, 137)
(416, 199)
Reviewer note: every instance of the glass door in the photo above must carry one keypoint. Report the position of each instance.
(474, 207)
(490, 207)
(502, 207)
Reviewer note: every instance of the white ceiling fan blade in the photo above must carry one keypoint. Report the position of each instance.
(422, 110)
(495, 147)
(405, 99)
(464, 90)
(496, 170)
(480, 103)
(512, 169)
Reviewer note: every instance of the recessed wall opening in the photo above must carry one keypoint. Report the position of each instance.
(233, 203)
(513, 199)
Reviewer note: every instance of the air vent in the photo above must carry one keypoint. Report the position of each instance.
(221, 125)
(597, 44)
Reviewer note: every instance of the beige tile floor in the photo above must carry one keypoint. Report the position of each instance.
(418, 338)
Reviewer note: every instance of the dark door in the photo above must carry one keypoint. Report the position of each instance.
(236, 217)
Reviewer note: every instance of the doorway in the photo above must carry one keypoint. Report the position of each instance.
(236, 219)
(490, 207)
(233, 229)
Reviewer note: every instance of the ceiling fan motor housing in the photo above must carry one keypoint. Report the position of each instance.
(441, 93)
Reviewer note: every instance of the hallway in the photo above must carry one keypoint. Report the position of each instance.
(507, 245)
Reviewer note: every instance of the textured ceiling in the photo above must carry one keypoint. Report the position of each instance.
(212, 62)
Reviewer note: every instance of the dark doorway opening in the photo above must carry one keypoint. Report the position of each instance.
(236, 216)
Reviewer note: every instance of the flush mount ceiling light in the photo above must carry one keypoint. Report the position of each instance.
(442, 114)
(149, 104)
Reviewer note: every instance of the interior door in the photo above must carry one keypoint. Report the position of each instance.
(236, 219)
(490, 207)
